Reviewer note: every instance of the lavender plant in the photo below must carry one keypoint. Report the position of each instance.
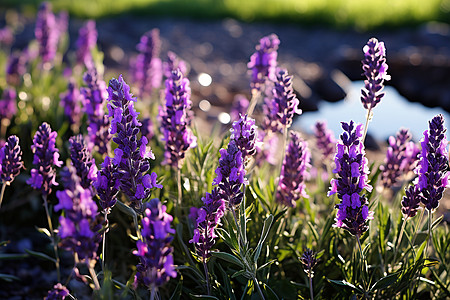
(46, 33)
(71, 100)
(87, 40)
(325, 141)
(10, 162)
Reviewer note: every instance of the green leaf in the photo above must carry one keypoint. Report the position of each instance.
(314, 231)
(343, 283)
(265, 231)
(202, 297)
(12, 255)
(437, 222)
(227, 283)
(267, 264)
(269, 292)
(9, 278)
(420, 251)
(228, 257)
(385, 281)
(4, 243)
(40, 255)
(177, 292)
(44, 231)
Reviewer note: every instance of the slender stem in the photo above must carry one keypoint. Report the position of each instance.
(258, 288)
(417, 227)
(179, 190)
(50, 227)
(429, 231)
(397, 244)
(253, 101)
(104, 241)
(2, 193)
(152, 293)
(238, 228)
(363, 262)
(93, 275)
(366, 126)
(278, 173)
(208, 284)
(311, 292)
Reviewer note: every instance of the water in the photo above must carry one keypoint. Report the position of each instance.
(391, 114)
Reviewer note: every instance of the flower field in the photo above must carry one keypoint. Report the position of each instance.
(120, 193)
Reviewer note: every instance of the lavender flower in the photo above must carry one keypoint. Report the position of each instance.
(71, 101)
(6, 36)
(175, 118)
(174, 62)
(352, 170)
(87, 39)
(266, 146)
(132, 154)
(244, 133)
(107, 185)
(79, 225)
(147, 128)
(148, 67)
(411, 201)
(10, 160)
(294, 171)
(154, 251)
(401, 157)
(309, 261)
(325, 141)
(58, 292)
(46, 155)
(375, 70)
(263, 62)
(15, 68)
(432, 170)
(82, 161)
(46, 32)
(231, 175)
(8, 105)
(208, 218)
(239, 107)
(280, 111)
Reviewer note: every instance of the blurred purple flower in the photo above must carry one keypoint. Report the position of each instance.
(71, 100)
(46, 155)
(156, 264)
(325, 140)
(87, 40)
(10, 160)
(239, 107)
(266, 147)
(175, 116)
(352, 170)
(375, 70)
(294, 171)
(82, 161)
(58, 292)
(147, 128)
(263, 62)
(433, 166)
(46, 32)
(16, 67)
(8, 104)
(6, 36)
(174, 62)
(132, 154)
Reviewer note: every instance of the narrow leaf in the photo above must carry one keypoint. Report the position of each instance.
(9, 278)
(385, 281)
(265, 231)
(40, 255)
(228, 257)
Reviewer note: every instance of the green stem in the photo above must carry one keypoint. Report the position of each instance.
(104, 241)
(238, 228)
(429, 231)
(258, 288)
(152, 293)
(93, 275)
(417, 227)
(253, 101)
(2, 193)
(208, 284)
(178, 205)
(364, 265)
(278, 173)
(50, 227)
(397, 244)
(366, 126)
(311, 292)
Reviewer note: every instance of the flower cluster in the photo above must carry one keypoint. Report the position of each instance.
(309, 261)
(154, 251)
(284, 104)
(16, 67)
(208, 218)
(375, 70)
(79, 226)
(325, 141)
(147, 128)
(10, 160)
(148, 65)
(263, 62)
(294, 171)
(8, 106)
(244, 133)
(174, 62)
(433, 166)
(175, 119)
(82, 161)
(59, 292)
(401, 157)
(107, 185)
(352, 170)
(411, 201)
(71, 101)
(46, 32)
(46, 155)
(239, 107)
(131, 157)
(87, 39)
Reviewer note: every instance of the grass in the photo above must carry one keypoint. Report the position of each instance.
(362, 15)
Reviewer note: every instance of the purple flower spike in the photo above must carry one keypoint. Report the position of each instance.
(401, 157)
(82, 161)
(208, 218)
(244, 133)
(6, 36)
(87, 39)
(10, 160)
(148, 66)
(46, 155)
(175, 116)
(263, 62)
(231, 175)
(325, 140)
(16, 67)
(79, 225)
(433, 165)
(147, 128)
(107, 185)
(174, 62)
(294, 171)
(281, 110)
(411, 201)
(46, 32)
(240, 106)
(309, 261)
(132, 154)
(154, 251)
(71, 101)
(352, 170)
(375, 70)
(59, 292)
(8, 105)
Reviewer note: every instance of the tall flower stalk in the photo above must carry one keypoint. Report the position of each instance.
(375, 70)
(47, 34)
(87, 40)
(10, 163)
(309, 261)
